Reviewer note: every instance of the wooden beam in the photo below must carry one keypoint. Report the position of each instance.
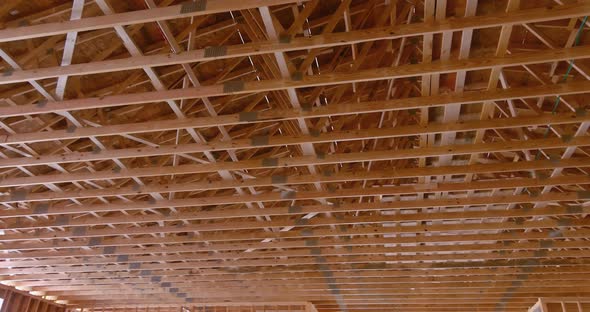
(274, 196)
(268, 163)
(315, 42)
(423, 261)
(56, 253)
(273, 141)
(350, 250)
(289, 114)
(376, 229)
(503, 272)
(310, 81)
(341, 176)
(135, 17)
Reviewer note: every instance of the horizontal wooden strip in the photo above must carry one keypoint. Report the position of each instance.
(257, 288)
(129, 18)
(378, 289)
(523, 267)
(303, 209)
(315, 295)
(362, 260)
(234, 235)
(319, 281)
(392, 299)
(282, 140)
(291, 114)
(526, 286)
(154, 301)
(350, 250)
(432, 151)
(401, 173)
(60, 281)
(313, 292)
(527, 267)
(318, 41)
(408, 308)
(342, 241)
(402, 71)
(353, 296)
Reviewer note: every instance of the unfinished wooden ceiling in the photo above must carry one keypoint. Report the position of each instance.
(361, 155)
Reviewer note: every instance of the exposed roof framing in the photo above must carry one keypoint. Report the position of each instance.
(289, 155)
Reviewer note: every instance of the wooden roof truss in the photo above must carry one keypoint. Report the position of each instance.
(392, 155)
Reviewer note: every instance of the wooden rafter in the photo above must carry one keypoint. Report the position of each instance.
(287, 155)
